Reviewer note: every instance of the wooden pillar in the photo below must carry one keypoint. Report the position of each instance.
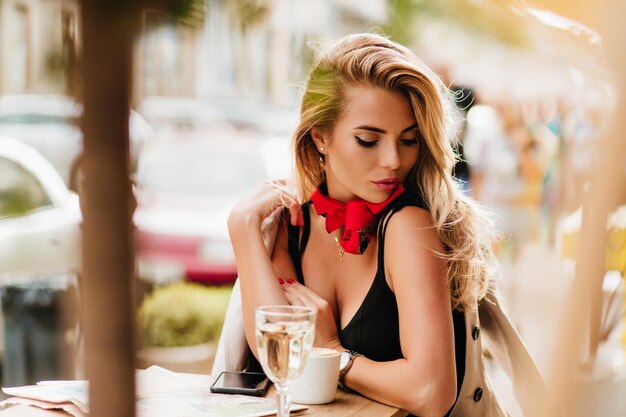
(109, 28)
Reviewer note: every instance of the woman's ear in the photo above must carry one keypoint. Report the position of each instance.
(320, 140)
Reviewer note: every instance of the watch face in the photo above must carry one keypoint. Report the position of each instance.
(345, 358)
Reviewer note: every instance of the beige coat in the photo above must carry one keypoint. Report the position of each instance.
(487, 325)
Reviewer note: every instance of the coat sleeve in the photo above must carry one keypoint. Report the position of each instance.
(508, 350)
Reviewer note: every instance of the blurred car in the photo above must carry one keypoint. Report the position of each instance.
(183, 117)
(50, 124)
(263, 118)
(185, 191)
(40, 218)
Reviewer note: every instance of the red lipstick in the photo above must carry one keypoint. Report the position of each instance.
(387, 183)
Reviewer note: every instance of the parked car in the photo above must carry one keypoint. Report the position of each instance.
(185, 191)
(263, 118)
(40, 218)
(50, 124)
(183, 117)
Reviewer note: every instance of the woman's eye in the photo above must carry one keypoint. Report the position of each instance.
(408, 142)
(365, 143)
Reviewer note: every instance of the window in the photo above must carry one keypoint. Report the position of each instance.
(20, 191)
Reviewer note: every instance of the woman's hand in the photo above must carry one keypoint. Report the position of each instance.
(271, 196)
(255, 265)
(325, 324)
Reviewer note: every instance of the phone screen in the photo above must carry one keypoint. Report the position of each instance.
(251, 383)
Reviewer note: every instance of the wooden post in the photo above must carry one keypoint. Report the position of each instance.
(109, 28)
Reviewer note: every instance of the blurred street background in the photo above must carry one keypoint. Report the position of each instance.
(214, 100)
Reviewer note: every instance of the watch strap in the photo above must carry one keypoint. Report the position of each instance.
(344, 371)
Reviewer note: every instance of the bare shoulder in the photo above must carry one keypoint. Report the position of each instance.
(411, 225)
(412, 249)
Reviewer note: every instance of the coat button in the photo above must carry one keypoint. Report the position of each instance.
(478, 394)
(475, 333)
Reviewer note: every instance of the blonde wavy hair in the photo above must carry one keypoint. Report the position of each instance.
(373, 60)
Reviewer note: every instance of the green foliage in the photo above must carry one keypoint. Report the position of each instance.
(400, 25)
(500, 19)
(182, 314)
(249, 13)
(187, 12)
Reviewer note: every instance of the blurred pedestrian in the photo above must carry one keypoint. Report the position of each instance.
(508, 178)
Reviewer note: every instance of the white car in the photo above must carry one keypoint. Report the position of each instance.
(50, 124)
(40, 219)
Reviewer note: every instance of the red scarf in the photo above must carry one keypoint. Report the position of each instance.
(358, 216)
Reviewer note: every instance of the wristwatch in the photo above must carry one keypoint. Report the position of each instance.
(345, 363)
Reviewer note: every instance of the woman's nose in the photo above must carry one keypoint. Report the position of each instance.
(389, 156)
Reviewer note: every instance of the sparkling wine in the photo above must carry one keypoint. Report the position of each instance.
(284, 337)
(284, 347)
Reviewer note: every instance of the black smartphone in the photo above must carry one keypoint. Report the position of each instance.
(248, 383)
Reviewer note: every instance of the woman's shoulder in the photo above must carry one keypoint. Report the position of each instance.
(409, 219)
(410, 230)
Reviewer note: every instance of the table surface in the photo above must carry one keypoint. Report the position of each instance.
(345, 405)
(351, 405)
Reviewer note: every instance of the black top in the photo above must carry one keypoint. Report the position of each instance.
(374, 330)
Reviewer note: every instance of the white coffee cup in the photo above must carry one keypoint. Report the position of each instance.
(318, 382)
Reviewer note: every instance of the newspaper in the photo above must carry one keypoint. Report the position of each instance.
(67, 407)
(160, 393)
(69, 396)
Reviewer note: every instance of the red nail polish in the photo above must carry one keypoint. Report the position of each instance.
(281, 281)
(291, 281)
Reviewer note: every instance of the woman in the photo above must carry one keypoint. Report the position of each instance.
(387, 249)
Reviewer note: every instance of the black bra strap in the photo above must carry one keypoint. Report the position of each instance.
(307, 228)
(406, 199)
(296, 245)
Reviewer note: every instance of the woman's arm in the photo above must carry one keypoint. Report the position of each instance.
(424, 381)
(258, 279)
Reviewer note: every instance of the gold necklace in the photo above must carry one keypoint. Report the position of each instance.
(341, 249)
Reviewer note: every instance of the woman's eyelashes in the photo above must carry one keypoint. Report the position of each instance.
(370, 143)
(365, 143)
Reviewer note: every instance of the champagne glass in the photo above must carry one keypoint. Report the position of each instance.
(284, 337)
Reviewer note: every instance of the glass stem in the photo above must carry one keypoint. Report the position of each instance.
(283, 399)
